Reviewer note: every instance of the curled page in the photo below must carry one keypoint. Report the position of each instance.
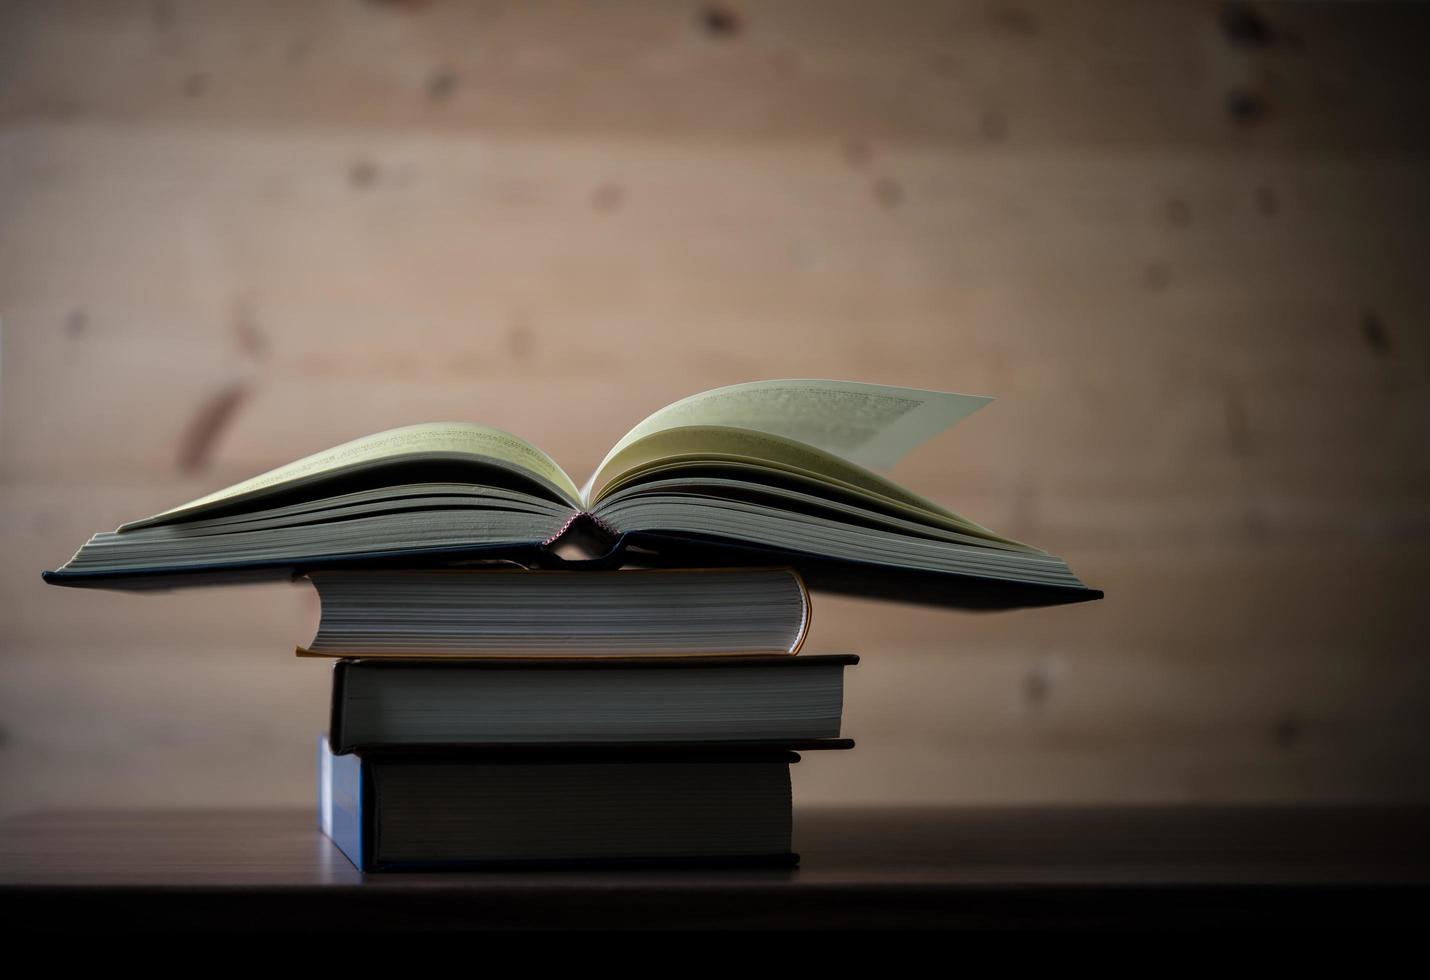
(872, 425)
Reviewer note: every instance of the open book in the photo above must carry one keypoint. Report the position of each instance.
(770, 472)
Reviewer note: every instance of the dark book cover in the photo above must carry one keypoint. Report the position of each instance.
(633, 549)
(518, 808)
(343, 740)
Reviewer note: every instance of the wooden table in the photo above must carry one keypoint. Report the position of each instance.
(861, 869)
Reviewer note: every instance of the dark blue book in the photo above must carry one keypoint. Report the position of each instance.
(627, 807)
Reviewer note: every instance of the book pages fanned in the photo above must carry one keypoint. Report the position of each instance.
(872, 425)
(427, 439)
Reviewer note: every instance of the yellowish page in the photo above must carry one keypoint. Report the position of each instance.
(669, 451)
(871, 425)
(440, 439)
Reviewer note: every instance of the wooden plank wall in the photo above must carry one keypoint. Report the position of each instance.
(1184, 243)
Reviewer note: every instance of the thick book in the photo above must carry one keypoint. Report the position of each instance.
(789, 702)
(464, 613)
(767, 473)
(445, 811)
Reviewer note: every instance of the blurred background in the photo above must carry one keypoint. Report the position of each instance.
(1184, 244)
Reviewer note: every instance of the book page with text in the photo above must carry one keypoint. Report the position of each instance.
(871, 425)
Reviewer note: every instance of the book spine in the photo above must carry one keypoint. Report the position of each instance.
(340, 802)
(602, 543)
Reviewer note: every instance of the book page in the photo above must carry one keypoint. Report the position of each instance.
(669, 451)
(871, 425)
(426, 440)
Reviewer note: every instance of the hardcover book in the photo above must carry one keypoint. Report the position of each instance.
(446, 811)
(766, 473)
(790, 702)
(428, 614)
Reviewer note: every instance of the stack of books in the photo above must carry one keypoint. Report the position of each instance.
(517, 717)
(510, 689)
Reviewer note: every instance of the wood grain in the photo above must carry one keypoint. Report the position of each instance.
(1183, 244)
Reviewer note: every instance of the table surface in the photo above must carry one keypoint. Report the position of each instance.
(864, 868)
